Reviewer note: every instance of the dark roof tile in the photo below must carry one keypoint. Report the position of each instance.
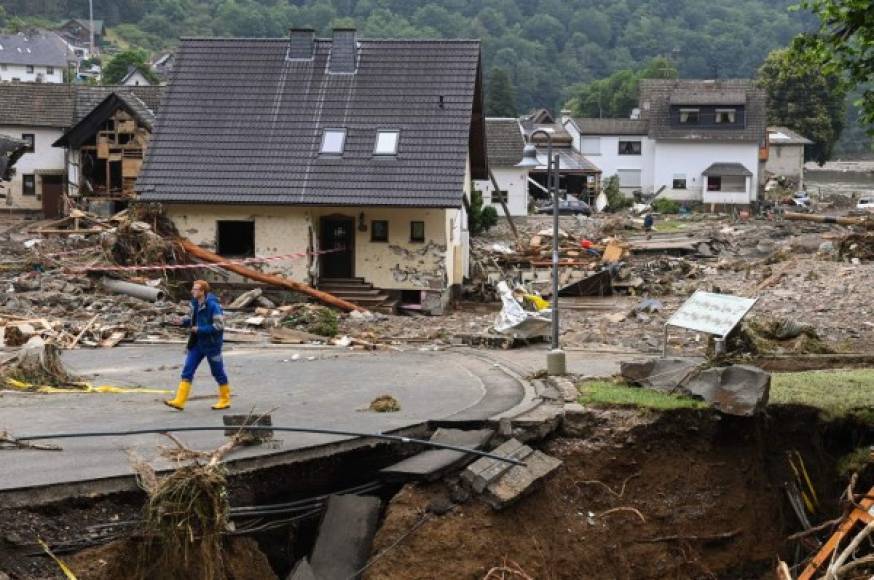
(241, 123)
(594, 126)
(505, 142)
(658, 95)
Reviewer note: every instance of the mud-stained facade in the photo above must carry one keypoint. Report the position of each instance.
(399, 263)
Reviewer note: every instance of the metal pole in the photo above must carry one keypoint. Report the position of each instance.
(91, 25)
(555, 241)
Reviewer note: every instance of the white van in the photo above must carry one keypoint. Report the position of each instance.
(866, 203)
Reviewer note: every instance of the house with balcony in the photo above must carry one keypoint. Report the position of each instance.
(689, 140)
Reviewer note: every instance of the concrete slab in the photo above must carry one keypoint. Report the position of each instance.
(345, 536)
(432, 464)
(322, 388)
(485, 470)
(302, 571)
(520, 480)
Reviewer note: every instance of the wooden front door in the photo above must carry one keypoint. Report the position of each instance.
(337, 233)
(52, 196)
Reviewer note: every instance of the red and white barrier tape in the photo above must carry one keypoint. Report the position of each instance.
(293, 256)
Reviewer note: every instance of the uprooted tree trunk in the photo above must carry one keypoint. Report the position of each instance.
(185, 517)
(37, 364)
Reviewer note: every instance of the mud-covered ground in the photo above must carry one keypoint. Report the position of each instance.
(682, 495)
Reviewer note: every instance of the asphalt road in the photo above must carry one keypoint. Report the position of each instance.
(324, 388)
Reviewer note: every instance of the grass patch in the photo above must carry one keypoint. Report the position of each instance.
(605, 393)
(837, 393)
(668, 225)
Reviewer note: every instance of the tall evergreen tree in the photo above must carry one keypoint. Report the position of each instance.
(500, 96)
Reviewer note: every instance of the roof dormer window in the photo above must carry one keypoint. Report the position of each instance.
(386, 142)
(333, 141)
(690, 116)
(725, 116)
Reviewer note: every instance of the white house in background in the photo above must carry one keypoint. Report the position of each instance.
(505, 144)
(786, 154)
(38, 117)
(619, 147)
(40, 57)
(697, 140)
(135, 78)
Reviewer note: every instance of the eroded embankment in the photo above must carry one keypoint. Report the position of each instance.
(685, 494)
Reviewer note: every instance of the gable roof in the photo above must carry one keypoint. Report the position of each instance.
(596, 126)
(84, 23)
(504, 138)
(62, 106)
(658, 95)
(786, 136)
(38, 49)
(242, 123)
(131, 72)
(94, 118)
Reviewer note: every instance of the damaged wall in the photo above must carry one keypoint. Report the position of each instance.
(398, 264)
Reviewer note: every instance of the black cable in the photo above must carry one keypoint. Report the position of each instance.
(382, 436)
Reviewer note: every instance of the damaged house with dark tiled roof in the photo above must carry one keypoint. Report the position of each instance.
(73, 136)
(690, 140)
(357, 153)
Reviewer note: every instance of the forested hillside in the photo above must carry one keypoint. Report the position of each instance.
(545, 46)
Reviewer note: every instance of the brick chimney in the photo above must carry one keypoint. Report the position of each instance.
(344, 51)
(301, 43)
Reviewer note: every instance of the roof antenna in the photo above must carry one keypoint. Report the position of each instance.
(441, 105)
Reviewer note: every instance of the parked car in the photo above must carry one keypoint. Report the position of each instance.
(801, 198)
(568, 206)
(866, 203)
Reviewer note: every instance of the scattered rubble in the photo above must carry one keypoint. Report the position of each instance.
(733, 390)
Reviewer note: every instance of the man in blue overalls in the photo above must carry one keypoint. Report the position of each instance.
(207, 323)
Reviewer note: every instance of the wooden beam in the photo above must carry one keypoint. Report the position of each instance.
(207, 256)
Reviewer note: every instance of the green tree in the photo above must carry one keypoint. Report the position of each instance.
(121, 63)
(616, 95)
(500, 96)
(481, 217)
(805, 100)
(844, 44)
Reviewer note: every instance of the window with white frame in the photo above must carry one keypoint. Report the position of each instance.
(679, 181)
(29, 69)
(386, 142)
(333, 141)
(690, 116)
(590, 145)
(629, 177)
(629, 148)
(725, 116)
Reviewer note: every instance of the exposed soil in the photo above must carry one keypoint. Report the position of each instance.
(710, 489)
(243, 561)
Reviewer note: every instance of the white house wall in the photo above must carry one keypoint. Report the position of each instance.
(18, 72)
(610, 162)
(44, 160)
(692, 159)
(514, 181)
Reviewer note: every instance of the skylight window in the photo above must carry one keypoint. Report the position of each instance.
(386, 142)
(333, 141)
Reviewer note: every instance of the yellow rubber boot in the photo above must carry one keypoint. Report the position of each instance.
(182, 393)
(224, 400)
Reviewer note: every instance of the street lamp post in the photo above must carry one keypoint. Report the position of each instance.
(555, 358)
